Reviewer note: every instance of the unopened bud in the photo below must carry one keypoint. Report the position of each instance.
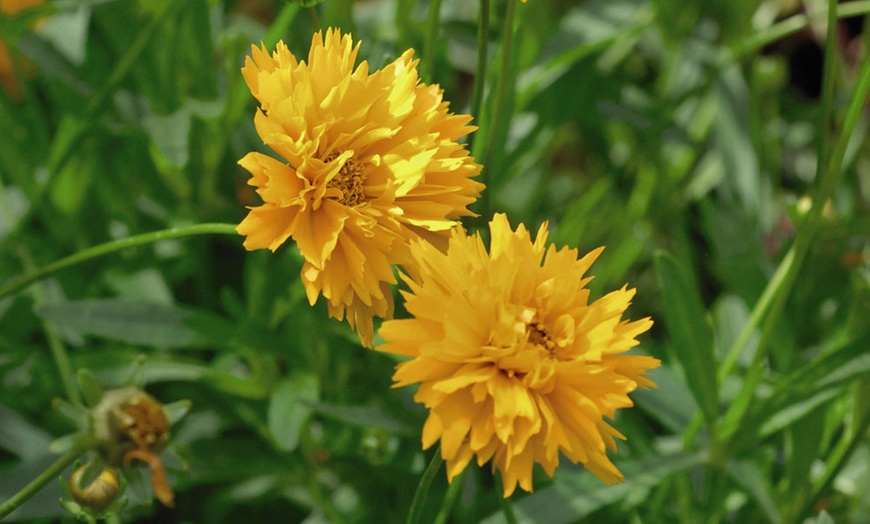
(100, 493)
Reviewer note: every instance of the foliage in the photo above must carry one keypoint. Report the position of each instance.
(701, 142)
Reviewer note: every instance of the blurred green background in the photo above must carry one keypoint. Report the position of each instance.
(683, 135)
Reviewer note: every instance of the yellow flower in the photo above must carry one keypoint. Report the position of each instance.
(370, 161)
(514, 364)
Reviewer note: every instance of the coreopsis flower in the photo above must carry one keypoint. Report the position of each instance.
(369, 160)
(514, 363)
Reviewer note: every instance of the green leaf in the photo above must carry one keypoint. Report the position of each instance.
(21, 438)
(175, 411)
(822, 518)
(587, 28)
(793, 412)
(91, 390)
(75, 414)
(139, 323)
(572, 497)
(170, 135)
(806, 437)
(68, 32)
(757, 483)
(290, 408)
(364, 416)
(235, 385)
(690, 334)
(671, 403)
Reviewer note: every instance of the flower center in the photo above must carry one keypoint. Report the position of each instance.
(349, 181)
(146, 423)
(539, 336)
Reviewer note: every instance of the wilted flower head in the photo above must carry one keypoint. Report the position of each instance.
(368, 161)
(132, 426)
(514, 363)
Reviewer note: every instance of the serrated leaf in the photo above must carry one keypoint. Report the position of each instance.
(690, 335)
(290, 407)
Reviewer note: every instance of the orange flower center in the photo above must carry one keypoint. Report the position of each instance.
(147, 424)
(349, 181)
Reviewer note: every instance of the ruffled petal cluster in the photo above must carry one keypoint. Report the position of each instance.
(513, 361)
(368, 161)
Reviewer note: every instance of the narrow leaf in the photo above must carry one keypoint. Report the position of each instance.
(364, 416)
(140, 323)
(690, 334)
(91, 390)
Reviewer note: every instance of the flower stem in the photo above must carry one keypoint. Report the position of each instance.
(493, 128)
(452, 492)
(431, 40)
(507, 507)
(64, 367)
(842, 453)
(482, 59)
(38, 483)
(828, 176)
(419, 501)
(15, 284)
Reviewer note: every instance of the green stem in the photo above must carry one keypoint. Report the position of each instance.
(428, 64)
(44, 478)
(419, 501)
(828, 180)
(493, 128)
(61, 360)
(838, 460)
(15, 284)
(452, 492)
(792, 25)
(482, 59)
(507, 507)
(758, 312)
